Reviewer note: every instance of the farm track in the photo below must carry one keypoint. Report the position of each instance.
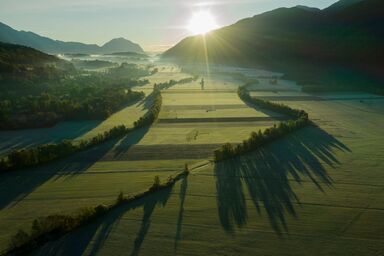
(203, 107)
(186, 91)
(256, 124)
(315, 98)
(221, 119)
(163, 152)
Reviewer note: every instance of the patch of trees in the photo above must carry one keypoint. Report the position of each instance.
(53, 227)
(170, 83)
(129, 70)
(259, 139)
(92, 64)
(46, 110)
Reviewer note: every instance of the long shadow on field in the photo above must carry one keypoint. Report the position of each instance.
(128, 142)
(183, 192)
(76, 243)
(31, 137)
(16, 185)
(268, 174)
(147, 102)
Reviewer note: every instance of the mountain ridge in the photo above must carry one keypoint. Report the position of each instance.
(48, 45)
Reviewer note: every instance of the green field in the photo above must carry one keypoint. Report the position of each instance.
(319, 191)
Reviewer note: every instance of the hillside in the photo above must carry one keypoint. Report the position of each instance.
(45, 44)
(21, 55)
(297, 41)
(341, 5)
(24, 63)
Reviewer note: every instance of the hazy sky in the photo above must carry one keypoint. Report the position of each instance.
(152, 23)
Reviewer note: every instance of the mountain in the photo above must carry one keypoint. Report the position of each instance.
(297, 41)
(121, 45)
(341, 5)
(45, 44)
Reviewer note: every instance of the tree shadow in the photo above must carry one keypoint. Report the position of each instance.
(267, 112)
(16, 185)
(146, 103)
(129, 141)
(268, 174)
(77, 242)
(32, 137)
(183, 192)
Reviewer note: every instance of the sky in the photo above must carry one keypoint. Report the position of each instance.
(154, 24)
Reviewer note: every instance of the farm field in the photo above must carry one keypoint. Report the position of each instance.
(130, 164)
(319, 191)
(10, 140)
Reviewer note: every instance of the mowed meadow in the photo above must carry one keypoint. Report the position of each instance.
(318, 191)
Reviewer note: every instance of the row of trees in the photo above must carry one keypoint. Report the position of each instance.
(153, 112)
(277, 107)
(259, 139)
(22, 158)
(53, 227)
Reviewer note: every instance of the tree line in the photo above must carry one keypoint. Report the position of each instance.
(53, 227)
(153, 112)
(259, 139)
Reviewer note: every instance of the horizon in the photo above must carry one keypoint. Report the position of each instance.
(58, 20)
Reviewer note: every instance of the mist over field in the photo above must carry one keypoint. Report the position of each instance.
(202, 128)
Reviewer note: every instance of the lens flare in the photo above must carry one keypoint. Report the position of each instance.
(202, 22)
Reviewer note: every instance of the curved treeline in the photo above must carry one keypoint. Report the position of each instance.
(258, 139)
(22, 158)
(276, 107)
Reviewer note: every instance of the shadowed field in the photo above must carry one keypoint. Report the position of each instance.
(318, 191)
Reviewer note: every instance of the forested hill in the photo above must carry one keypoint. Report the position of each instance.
(21, 63)
(294, 40)
(22, 55)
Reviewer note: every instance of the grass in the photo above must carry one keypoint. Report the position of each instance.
(52, 227)
(316, 192)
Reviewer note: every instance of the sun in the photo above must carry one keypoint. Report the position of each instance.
(202, 22)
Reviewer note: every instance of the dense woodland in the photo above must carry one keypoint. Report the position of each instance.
(39, 90)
